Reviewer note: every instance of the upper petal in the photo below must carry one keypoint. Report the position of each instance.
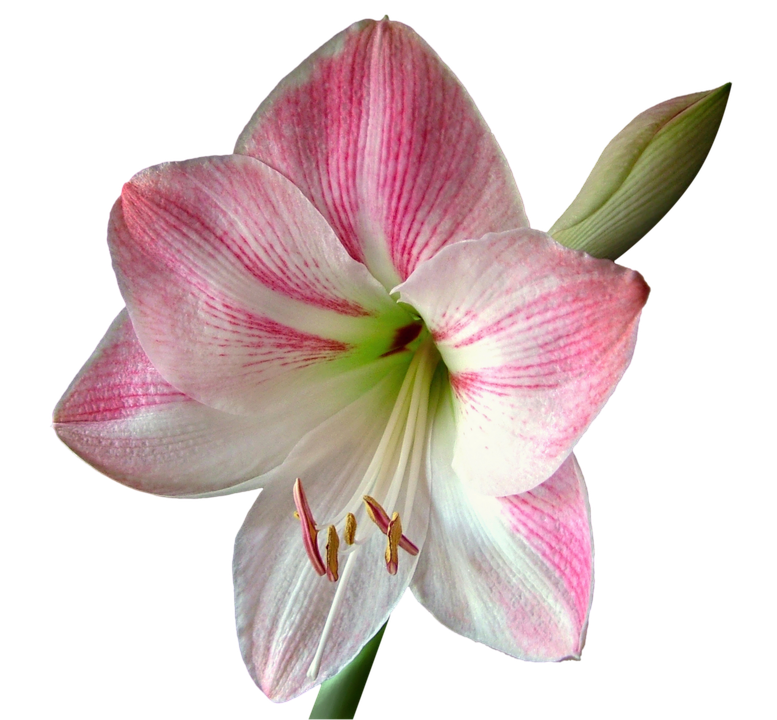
(239, 291)
(125, 419)
(516, 572)
(385, 141)
(281, 602)
(535, 337)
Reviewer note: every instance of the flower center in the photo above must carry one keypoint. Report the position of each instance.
(395, 465)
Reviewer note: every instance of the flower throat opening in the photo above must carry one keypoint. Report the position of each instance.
(401, 447)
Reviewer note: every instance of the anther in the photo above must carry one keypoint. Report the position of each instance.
(380, 517)
(377, 513)
(350, 529)
(309, 529)
(393, 535)
(332, 546)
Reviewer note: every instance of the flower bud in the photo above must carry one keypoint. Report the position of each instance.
(641, 174)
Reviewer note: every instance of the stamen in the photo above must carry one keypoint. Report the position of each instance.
(380, 517)
(332, 546)
(394, 534)
(309, 530)
(350, 528)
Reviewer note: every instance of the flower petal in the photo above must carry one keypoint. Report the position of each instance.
(125, 419)
(239, 291)
(385, 141)
(516, 572)
(535, 337)
(281, 602)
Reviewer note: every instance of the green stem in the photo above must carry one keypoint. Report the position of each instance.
(339, 696)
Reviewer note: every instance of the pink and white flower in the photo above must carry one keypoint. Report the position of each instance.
(355, 298)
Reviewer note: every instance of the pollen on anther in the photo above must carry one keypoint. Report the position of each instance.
(393, 535)
(380, 517)
(332, 546)
(377, 514)
(350, 529)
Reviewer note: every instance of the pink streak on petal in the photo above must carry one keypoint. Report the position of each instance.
(514, 572)
(265, 341)
(120, 382)
(384, 140)
(212, 294)
(553, 520)
(122, 417)
(244, 216)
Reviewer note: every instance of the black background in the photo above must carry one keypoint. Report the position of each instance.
(138, 588)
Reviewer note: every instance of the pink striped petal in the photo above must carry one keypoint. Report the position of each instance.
(281, 602)
(383, 139)
(239, 291)
(125, 419)
(535, 337)
(514, 573)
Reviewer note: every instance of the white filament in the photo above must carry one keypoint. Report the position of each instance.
(387, 443)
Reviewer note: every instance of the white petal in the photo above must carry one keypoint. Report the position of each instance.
(535, 337)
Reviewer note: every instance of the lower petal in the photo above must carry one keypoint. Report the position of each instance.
(281, 602)
(516, 572)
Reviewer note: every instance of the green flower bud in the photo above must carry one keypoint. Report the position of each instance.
(641, 174)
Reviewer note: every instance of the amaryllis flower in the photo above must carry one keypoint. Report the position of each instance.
(352, 313)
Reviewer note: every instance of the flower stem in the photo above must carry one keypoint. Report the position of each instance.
(339, 696)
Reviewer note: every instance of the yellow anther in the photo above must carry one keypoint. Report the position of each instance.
(394, 534)
(376, 512)
(296, 515)
(332, 546)
(380, 517)
(350, 528)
